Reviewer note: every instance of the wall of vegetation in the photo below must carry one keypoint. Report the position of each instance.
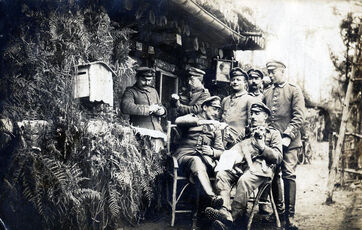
(67, 168)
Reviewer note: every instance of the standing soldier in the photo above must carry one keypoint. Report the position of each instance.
(255, 82)
(235, 107)
(286, 102)
(142, 103)
(198, 93)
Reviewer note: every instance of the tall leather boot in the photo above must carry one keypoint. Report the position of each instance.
(277, 190)
(290, 190)
(204, 182)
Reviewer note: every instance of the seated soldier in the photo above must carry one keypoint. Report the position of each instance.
(200, 145)
(269, 147)
(198, 94)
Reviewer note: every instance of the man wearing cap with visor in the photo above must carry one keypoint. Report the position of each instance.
(269, 147)
(235, 107)
(198, 93)
(286, 103)
(141, 101)
(255, 83)
(200, 146)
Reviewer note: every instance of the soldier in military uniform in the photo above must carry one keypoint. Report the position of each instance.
(286, 102)
(255, 83)
(198, 94)
(269, 153)
(235, 107)
(200, 146)
(141, 101)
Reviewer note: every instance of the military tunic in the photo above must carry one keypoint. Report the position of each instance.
(249, 181)
(286, 103)
(235, 112)
(194, 105)
(136, 102)
(194, 137)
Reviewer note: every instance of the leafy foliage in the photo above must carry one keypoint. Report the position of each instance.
(71, 176)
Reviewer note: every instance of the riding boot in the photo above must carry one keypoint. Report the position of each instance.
(204, 182)
(290, 197)
(277, 190)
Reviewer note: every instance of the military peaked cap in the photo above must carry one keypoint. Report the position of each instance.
(145, 71)
(270, 65)
(237, 72)
(260, 106)
(255, 73)
(214, 101)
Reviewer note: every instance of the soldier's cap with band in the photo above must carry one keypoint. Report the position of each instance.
(273, 64)
(255, 73)
(234, 72)
(260, 106)
(145, 71)
(195, 72)
(213, 101)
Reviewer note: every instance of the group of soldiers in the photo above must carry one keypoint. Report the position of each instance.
(268, 120)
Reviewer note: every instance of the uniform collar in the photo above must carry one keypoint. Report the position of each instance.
(144, 89)
(280, 86)
(196, 90)
(254, 94)
(236, 95)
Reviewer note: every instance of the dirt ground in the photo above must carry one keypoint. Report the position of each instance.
(311, 212)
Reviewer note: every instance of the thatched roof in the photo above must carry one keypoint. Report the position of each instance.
(237, 19)
(218, 22)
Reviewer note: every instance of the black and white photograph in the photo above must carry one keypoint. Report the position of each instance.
(180, 114)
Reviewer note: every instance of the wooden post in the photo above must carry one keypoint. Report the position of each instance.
(342, 128)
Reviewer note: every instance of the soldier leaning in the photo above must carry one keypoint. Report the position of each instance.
(198, 94)
(200, 146)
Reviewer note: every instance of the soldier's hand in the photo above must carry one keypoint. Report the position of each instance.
(286, 141)
(259, 143)
(175, 97)
(207, 150)
(161, 111)
(153, 108)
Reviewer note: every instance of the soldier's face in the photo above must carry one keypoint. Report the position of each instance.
(258, 118)
(277, 75)
(195, 83)
(238, 83)
(212, 113)
(255, 83)
(144, 81)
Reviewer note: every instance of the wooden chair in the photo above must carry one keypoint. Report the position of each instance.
(256, 200)
(178, 180)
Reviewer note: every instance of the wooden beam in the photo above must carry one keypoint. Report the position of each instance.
(342, 129)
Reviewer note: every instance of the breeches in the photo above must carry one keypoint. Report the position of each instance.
(245, 185)
(289, 163)
(190, 164)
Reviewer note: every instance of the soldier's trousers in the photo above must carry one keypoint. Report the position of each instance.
(245, 185)
(288, 167)
(194, 167)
